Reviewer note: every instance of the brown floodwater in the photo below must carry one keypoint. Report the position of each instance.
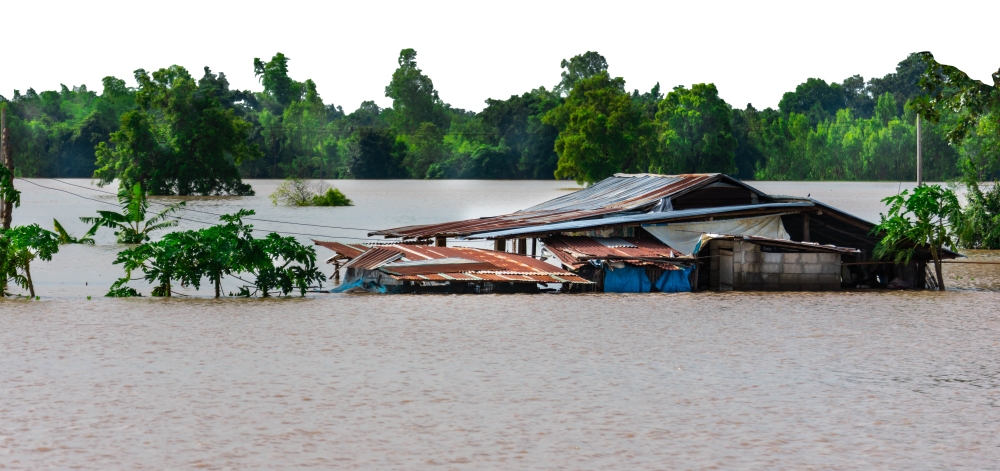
(847, 380)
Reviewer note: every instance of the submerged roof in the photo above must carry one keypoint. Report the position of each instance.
(635, 219)
(577, 251)
(427, 263)
(622, 192)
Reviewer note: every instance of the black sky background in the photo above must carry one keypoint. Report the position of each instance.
(467, 71)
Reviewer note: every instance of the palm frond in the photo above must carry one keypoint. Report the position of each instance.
(156, 227)
(162, 215)
(64, 237)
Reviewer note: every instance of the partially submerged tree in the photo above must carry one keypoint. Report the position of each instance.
(22, 245)
(131, 225)
(181, 141)
(66, 238)
(928, 216)
(298, 192)
(183, 258)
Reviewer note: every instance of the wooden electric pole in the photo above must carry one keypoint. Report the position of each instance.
(7, 159)
(920, 157)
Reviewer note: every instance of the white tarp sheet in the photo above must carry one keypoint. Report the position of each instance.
(686, 237)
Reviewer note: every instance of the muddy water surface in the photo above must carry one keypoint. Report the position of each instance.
(849, 380)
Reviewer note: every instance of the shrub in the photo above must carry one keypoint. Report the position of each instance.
(332, 197)
(298, 192)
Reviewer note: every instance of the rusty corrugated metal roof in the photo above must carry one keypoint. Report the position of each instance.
(487, 265)
(622, 192)
(375, 258)
(570, 250)
(349, 251)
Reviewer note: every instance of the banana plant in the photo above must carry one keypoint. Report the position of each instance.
(131, 225)
(67, 238)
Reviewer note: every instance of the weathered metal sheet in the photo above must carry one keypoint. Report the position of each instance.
(785, 243)
(570, 250)
(478, 265)
(622, 192)
(349, 251)
(427, 269)
(633, 219)
(375, 258)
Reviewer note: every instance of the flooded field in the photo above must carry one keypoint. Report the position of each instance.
(848, 380)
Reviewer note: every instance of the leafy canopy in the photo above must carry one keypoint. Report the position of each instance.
(181, 141)
(602, 132)
(929, 216)
(697, 131)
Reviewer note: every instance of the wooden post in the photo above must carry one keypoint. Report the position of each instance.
(7, 160)
(694, 279)
(440, 241)
(534, 247)
(805, 228)
(500, 245)
(522, 246)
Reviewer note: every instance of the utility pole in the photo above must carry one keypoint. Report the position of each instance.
(920, 156)
(7, 160)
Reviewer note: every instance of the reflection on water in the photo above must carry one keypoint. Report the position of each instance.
(850, 380)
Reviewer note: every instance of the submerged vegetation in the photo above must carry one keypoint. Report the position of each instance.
(277, 264)
(297, 192)
(130, 225)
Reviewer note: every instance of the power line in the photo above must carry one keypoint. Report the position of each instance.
(195, 220)
(214, 214)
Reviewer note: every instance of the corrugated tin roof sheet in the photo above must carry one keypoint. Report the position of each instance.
(633, 219)
(349, 251)
(622, 192)
(489, 265)
(375, 258)
(569, 250)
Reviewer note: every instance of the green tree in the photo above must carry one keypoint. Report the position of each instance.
(601, 131)
(20, 246)
(376, 153)
(580, 67)
(182, 141)
(935, 213)
(277, 84)
(885, 110)
(414, 99)
(697, 132)
(427, 148)
(815, 98)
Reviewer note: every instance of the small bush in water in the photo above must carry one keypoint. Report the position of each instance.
(298, 192)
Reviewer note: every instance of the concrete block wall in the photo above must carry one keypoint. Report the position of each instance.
(755, 270)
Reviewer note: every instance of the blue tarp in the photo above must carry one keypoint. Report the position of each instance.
(626, 280)
(675, 281)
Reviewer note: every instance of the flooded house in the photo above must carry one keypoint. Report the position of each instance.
(668, 233)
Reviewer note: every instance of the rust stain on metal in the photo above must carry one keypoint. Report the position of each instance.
(485, 265)
(570, 250)
(349, 251)
(613, 195)
(375, 258)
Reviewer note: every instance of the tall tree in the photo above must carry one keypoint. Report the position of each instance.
(274, 76)
(578, 68)
(697, 132)
(375, 153)
(182, 141)
(815, 98)
(414, 99)
(601, 131)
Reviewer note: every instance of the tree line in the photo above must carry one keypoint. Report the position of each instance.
(177, 134)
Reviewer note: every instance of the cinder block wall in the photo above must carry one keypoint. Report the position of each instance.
(754, 270)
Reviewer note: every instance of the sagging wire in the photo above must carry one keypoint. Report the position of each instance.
(195, 220)
(214, 214)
